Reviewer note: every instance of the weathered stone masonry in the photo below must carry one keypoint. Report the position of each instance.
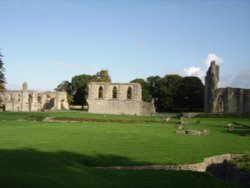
(224, 100)
(31, 101)
(116, 98)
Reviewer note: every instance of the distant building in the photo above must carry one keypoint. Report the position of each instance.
(116, 98)
(224, 100)
(31, 101)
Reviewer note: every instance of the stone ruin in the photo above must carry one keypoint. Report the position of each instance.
(26, 100)
(117, 98)
(224, 100)
(194, 132)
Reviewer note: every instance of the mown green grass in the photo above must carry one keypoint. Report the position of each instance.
(34, 153)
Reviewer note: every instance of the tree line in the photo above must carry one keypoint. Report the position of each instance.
(169, 93)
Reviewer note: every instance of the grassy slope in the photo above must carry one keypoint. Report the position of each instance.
(42, 154)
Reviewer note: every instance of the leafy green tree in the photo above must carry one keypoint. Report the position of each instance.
(190, 94)
(80, 88)
(166, 91)
(153, 82)
(2, 76)
(64, 86)
(102, 76)
(145, 88)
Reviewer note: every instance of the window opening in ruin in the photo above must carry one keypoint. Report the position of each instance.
(129, 93)
(100, 92)
(19, 97)
(220, 104)
(62, 104)
(115, 93)
(39, 99)
(30, 98)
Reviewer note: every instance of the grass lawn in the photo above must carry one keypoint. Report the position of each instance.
(34, 153)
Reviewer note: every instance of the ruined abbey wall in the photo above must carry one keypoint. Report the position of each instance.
(31, 101)
(114, 98)
(224, 100)
(231, 100)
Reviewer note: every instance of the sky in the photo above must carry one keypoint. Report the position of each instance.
(45, 42)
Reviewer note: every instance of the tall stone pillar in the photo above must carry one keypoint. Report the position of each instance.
(211, 83)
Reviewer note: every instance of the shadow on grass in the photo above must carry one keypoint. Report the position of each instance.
(32, 168)
(241, 131)
(238, 129)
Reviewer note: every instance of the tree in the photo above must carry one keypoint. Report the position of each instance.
(145, 88)
(64, 86)
(80, 88)
(190, 94)
(153, 82)
(102, 76)
(166, 91)
(2, 76)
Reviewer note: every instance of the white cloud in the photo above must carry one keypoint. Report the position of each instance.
(194, 71)
(213, 57)
(199, 72)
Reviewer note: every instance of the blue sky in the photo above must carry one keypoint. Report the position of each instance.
(47, 41)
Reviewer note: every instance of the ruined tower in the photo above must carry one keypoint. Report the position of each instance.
(211, 83)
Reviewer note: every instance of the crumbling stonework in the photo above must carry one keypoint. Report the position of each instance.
(31, 101)
(199, 167)
(115, 98)
(224, 100)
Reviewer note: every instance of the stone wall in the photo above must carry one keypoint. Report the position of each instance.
(224, 100)
(198, 167)
(31, 101)
(115, 98)
(231, 100)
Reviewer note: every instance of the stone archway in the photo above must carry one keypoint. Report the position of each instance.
(129, 93)
(220, 104)
(114, 93)
(30, 99)
(100, 92)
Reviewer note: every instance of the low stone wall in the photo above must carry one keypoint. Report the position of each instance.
(194, 132)
(200, 167)
(218, 166)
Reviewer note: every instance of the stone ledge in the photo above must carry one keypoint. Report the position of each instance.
(199, 167)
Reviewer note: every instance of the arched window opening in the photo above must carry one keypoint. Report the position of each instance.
(30, 98)
(39, 99)
(100, 92)
(129, 93)
(220, 104)
(115, 93)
